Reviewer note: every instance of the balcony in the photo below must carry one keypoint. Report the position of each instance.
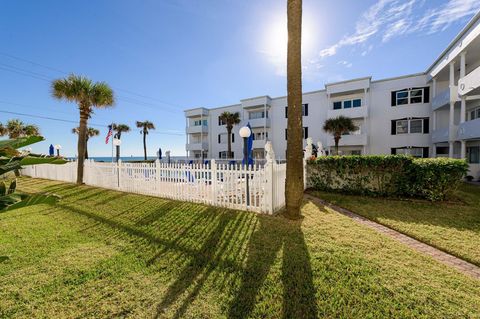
(469, 82)
(349, 140)
(256, 102)
(469, 129)
(199, 111)
(440, 135)
(444, 97)
(197, 129)
(355, 112)
(260, 122)
(197, 146)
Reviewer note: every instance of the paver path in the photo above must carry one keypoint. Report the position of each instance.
(437, 254)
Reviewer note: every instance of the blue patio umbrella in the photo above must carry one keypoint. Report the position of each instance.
(249, 147)
(51, 150)
(159, 153)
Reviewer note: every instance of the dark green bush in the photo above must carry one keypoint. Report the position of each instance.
(387, 175)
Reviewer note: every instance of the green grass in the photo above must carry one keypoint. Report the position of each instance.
(100, 253)
(451, 226)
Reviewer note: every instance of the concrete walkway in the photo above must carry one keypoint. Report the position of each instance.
(439, 255)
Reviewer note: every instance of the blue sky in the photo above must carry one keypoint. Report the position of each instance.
(165, 56)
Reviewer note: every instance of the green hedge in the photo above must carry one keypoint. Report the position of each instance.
(389, 175)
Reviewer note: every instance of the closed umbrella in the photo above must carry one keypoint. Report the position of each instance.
(51, 150)
(159, 153)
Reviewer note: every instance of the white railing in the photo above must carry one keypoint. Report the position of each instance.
(252, 188)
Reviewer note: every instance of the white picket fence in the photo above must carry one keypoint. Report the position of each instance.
(252, 188)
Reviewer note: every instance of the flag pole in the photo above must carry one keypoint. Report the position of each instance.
(112, 141)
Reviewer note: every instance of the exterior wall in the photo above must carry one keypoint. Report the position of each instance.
(382, 113)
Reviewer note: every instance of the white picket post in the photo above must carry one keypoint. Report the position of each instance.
(213, 200)
(269, 188)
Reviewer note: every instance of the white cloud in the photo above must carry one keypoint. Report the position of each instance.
(387, 19)
(345, 63)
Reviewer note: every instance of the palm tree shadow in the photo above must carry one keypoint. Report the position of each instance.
(272, 235)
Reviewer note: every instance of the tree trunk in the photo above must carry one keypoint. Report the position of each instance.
(82, 144)
(229, 142)
(337, 141)
(294, 175)
(86, 148)
(145, 145)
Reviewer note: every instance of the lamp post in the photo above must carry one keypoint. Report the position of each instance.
(58, 147)
(245, 133)
(117, 142)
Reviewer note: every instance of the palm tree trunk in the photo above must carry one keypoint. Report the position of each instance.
(229, 142)
(294, 175)
(82, 144)
(86, 148)
(337, 140)
(145, 145)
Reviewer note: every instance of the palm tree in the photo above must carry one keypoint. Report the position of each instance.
(294, 175)
(87, 95)
(16, 128)
(91, 132)
(145, 126)
(339, 126)
(119, 129)
(230, 119)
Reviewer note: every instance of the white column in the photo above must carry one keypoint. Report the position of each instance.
(463, 105)
(434, 87)
(452, 110)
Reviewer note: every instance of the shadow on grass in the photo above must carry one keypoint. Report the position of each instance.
(3, 258)
(273, 235)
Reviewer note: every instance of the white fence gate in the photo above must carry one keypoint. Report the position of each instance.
(252, 188)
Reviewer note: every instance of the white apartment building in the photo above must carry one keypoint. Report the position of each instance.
(429, 114)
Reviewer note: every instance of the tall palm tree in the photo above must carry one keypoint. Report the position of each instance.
(3, 130)
(87, 95)
(339, 126)
(119, 129)
(294, 175)
(16, 128)
(230, 119)
(145, 126)
(91, 132)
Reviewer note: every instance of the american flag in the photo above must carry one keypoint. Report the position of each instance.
(108, 134)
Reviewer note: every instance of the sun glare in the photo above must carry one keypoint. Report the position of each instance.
(275, 39)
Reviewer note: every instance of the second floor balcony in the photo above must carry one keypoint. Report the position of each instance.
(257, 122)
(197, 146)
(194, 129)
(444, 97)
(469, 130)
(354, 112)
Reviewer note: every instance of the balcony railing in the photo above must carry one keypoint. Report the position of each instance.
(260, 122)
(469, 82)
(355, 112)
(347, 140)
(444, 97)
(197, 146)
(197, 129)
(469, 130)
(440, 135)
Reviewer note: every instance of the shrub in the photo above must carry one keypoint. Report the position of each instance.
(386, 175)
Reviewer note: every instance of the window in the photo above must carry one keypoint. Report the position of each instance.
(442, 150)
(347, 104)
(414, 125)
(222, 138)
(223, 154)
(260, 135)
(304, 110)
(200, 122)
(411, 96)
(356, 152)
(475, 113)
(257, 115)
(473, 154)
(402, 127)
(412, 151)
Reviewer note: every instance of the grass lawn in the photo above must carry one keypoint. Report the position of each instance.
(100, 253)
(453, 226)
